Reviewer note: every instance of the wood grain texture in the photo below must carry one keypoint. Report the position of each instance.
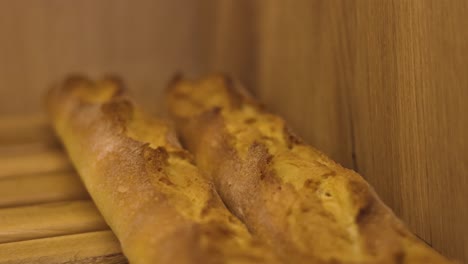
(34, 163)
(18, 131)
(41, 188)
(86, 248)
(235, 40)
(43, 217)
(146, 41)
(304, 69)
(48, 220)
(409, 107)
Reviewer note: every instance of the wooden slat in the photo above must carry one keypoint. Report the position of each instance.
(47, 220)
(27, 129)
(93, 247)
(21, 148)
(34, 189)
(34, 163)
(33, 170)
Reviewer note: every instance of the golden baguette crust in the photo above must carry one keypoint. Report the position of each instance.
(306, 206)
(144, 184)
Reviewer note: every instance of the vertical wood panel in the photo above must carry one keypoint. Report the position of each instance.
(146, 41)
(305, 67)
(235, 40)
(385, 112)
(410, 106)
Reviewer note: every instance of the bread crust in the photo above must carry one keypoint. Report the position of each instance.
(144, 184)
(303, 204)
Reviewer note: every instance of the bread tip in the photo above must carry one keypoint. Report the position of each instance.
(175, 79)
(74, 80)
(118, 82)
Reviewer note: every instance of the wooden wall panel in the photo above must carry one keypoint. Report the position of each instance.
(235, 40)
(304, 70)
(410, 105)
(146, 41)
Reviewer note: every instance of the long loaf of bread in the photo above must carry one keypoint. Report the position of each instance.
(146, 187)
(307, 207)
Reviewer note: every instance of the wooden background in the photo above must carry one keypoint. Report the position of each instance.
(379, 85)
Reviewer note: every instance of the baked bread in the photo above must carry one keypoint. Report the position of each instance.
(307, 207)
(144, 184)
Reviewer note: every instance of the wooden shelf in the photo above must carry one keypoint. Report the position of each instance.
(46, 215)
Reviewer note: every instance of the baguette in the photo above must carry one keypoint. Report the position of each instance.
(160, 207)
(304, 205)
